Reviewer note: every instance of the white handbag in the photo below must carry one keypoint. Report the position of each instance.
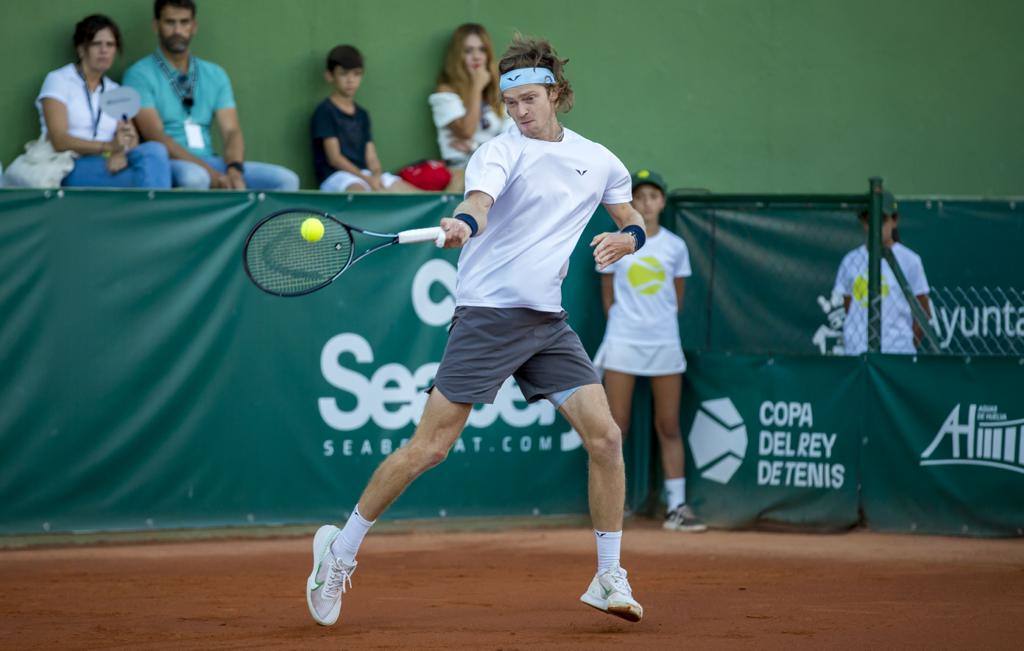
(40, 166)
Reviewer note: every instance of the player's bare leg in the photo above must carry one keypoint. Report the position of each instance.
(334, 549)
(666, 390)
(439, 428)
(588, 412)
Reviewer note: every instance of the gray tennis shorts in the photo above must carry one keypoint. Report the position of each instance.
(488, 344)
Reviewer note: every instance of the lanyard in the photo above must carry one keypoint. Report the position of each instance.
(97, 114)
(184, 85)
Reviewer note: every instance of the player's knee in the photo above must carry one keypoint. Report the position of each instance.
(430, 454)
(436, 457)
(605, 445)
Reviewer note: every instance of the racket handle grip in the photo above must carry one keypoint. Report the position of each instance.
(433, 234)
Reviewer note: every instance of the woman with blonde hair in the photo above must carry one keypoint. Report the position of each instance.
(466, 104)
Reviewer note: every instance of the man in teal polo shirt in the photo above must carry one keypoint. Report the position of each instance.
(181, 96)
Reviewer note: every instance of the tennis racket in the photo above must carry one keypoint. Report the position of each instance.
(283, 259)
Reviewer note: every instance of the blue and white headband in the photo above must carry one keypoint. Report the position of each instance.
(523, 76)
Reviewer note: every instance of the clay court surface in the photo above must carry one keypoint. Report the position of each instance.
(518, 589)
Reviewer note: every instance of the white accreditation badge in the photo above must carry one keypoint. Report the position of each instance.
(194, 135)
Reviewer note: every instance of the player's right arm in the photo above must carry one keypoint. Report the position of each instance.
(458, 231)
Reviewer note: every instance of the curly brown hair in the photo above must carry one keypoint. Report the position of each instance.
(529, 52)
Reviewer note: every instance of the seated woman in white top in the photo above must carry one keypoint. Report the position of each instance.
(109, 153)
(467, 104)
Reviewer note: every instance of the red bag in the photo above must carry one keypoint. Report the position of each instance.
(431, 175)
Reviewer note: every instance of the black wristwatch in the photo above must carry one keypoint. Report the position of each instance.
(238, 165)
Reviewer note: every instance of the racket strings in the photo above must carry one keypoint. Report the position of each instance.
(281, 261)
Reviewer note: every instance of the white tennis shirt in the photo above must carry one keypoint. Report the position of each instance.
(84, 115)
(544, 194)
(645, 309)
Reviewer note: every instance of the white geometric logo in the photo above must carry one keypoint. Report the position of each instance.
(718, 440)
(988, 438)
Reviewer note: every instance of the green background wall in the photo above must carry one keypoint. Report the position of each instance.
(751, 95)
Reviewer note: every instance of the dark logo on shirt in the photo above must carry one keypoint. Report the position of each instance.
(581, 172)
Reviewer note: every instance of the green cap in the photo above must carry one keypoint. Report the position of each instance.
(889, 203)
(645, 176)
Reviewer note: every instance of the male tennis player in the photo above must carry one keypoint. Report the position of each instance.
(529, 194)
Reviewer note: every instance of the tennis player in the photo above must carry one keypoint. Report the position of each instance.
(529, 194)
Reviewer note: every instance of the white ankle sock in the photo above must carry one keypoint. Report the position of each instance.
(347, 543)
(608, 545)
(675, 492)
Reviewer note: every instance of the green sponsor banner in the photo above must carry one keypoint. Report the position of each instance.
(148, 383)
(944, 446)
(773, 440)
(763, 278)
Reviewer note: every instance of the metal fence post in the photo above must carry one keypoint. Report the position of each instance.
(875, 266)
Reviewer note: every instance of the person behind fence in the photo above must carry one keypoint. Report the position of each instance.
(344, 156)
(642, 296)
(466, 104)
(181, 97)
(108, 153)
(900, 331)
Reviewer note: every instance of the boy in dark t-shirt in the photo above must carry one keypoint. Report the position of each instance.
(344, 156)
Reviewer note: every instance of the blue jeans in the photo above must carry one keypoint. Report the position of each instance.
(258, 176)
(148, 167)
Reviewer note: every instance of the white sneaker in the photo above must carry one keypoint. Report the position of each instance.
(326, 583)
(610, 592)
(682, 518)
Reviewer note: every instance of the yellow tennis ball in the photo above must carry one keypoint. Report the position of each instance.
(312, 229)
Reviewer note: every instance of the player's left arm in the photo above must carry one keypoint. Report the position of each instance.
(611, 247)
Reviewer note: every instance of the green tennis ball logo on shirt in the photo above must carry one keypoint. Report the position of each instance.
(860, 289)
(646, 275)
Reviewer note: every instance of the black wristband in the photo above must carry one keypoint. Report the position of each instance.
(639, 237)
(470, 220)
(238, 165)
